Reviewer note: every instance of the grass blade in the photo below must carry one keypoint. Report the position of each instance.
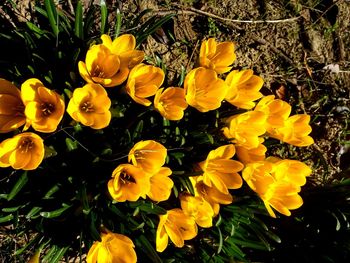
(118, 23)
(78, 25)
(104, 16)
(52, 15)
(18, 186)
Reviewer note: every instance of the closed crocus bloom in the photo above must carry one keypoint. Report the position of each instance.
(295, 131)
(11, 107)
(217, 56)
(276, 110)
(161, 185)
(243, 88)
(128, 183)
(149, 155)
(251, 155)
(198, 208)
(204, 90)
(176, 225)
(90, 106)
(171, 103)
(143, 82)
(102, 67)
(44, 108)
(113, 248)
(290, 170)
(124, 47)
(277, 184)
(222, 172)
(211, 194)
(244, 129)
(23, 151)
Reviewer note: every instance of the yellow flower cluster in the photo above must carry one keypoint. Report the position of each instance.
(146, 176)
(277, 182)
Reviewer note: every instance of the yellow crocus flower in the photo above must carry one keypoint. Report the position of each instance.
(177, 226)
(219, 170)
(124, 47)
(170, 103)
(143, 82)
(90, 106)
(149, 155)
(244, 129)
(211, 194)
(44, 108)
(128, 183)
(277, 182)
(243, 88)
(204, 90)
(11, 107)
(198, 208)
(23, 151)
(113, 247)
(217, 56)
(161, 185)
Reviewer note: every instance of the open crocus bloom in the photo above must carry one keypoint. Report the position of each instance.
(149, 155)
(128, 183)
(244, 129)
(171, 103)
(204, 90)
(222, 172)
(143, 82)
(23, 151)
(243, 88)
(90, 106)
(277, 182)
(217, 56)
(124, 47)
(102, 67)
(112, 248)
(176, 225)
(44, 108)
(11, 107)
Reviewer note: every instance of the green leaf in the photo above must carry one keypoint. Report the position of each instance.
(144, 33)
(52, 15)
(149, 208)
(58, 254)
(56, 213)
(138, 130)
(11, 209)
(7, 218)
(149, 250)
(33, 212)
(104, 16)
(78, 24)
(32, 242)
(220, 240)
(22, 181)
(118, 23)
(71, 145)
(53, 190)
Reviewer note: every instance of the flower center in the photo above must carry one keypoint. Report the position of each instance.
(47, 108)
(126, 178)
(98, 72)
(87, 107)
(26, 145)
